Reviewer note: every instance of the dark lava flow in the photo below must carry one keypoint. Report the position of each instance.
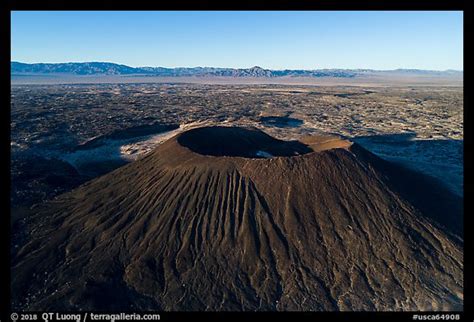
(280, 121)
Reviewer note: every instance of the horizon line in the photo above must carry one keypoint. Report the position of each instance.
(254, 66)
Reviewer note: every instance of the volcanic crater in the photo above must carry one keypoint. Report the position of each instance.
(232, 219)
(239, 142)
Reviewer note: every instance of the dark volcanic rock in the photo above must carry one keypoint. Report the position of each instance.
(47, 178)
(280, 121)
(332, 229)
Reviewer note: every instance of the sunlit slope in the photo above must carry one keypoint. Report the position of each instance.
(204, 223)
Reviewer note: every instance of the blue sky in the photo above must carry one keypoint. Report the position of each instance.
(270, 39)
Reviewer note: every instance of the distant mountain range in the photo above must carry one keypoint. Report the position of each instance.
(101, 68)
